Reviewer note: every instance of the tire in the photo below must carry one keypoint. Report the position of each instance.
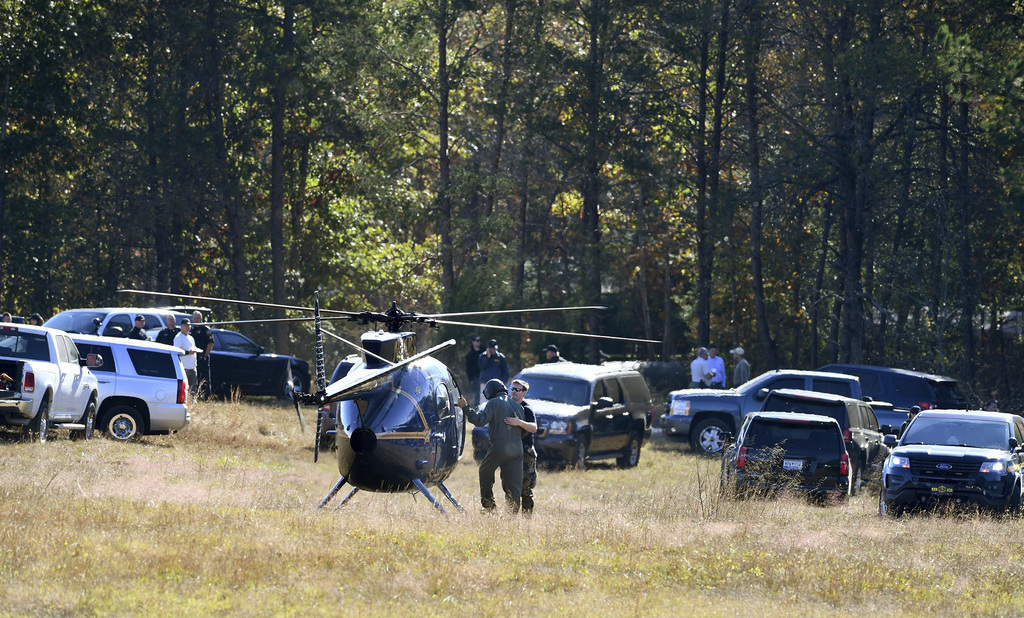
(708, 437)
(579, 455)
(89, 420)
(123, 423)
(631, 456)
(883, 508)
(1014, 506)
(39, 429)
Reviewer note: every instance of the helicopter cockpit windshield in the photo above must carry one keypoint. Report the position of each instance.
(383, 411)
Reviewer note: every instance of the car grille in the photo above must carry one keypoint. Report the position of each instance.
(945, 469)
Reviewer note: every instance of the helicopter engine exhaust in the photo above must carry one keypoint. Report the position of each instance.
(363, 441)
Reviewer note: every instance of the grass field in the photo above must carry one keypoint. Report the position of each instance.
(221, 519)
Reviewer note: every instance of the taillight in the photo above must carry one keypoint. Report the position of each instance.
(844, 464)
(847, 435)
(741, 458)
(924, 405)
(181, 391)
(30, 382)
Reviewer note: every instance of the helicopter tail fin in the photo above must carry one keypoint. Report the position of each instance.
(321, 378)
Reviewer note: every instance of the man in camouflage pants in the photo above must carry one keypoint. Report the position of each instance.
(529, 425)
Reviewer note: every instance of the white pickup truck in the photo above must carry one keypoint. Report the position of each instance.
(43, 384)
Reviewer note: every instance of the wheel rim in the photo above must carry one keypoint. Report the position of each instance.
(634, 452)
(122, 427)
(711, 439)
(44, 424)
(581, 456)
(90, 421)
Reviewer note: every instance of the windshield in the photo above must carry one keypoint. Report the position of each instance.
(84, 322)
(559, 390)
(958, 432)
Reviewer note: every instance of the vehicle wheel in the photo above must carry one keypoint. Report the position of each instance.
(883, 508)
(579, 455)
(39, 428)
(631, 456)
(1013, 508)
(289, 383)
(89, 420)
(708, 437)
(123, 423)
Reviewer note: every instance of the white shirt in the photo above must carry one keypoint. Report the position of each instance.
(698, 369)
(187, 343)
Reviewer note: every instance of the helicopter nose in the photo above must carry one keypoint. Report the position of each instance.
(363, 441)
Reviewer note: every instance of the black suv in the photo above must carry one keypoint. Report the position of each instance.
(856, 420)
(955, 457)
(584, 413)
(904, 389)
(784, 450)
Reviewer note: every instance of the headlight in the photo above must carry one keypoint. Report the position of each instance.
(899, 461)
(558, 428)
(681, 407)
(993, 467)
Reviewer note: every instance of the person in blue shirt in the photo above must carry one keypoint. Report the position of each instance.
(493, 366)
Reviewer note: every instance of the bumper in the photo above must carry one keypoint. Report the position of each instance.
(676, 425)
(915, 493)
(760, 484)
(555, 448)
(168, 417)
(16, 411)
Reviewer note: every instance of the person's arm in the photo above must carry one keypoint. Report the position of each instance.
(477, 417)
(518, 422)
(482, 360)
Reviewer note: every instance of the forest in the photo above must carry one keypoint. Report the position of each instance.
(815, 180)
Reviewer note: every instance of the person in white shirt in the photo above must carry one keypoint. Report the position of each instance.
(717, 365)
(701, 371)
(185, 341)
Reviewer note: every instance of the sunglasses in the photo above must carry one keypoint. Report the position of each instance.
(516, 389)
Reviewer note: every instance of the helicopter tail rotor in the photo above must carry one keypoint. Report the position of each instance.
(321, 378)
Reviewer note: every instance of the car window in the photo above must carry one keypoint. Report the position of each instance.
(152, 363)
(635, 389)
(834, 409)
(912, 387)
(869, 384)
(444, 402)
(784, 382)
(1018, 432)
(599, 391)
(765, 434)
(868, 417)
(560, 390)
(233, 342)
(29, 346)
(949, 392)
(118, 326)
(957, 431)
(854, 413)
(612, 389)
(62, 351)
(84, 322)
(835, 387)
(85, 349)
(70, 350)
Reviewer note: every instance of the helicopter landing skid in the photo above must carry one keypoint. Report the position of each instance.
(426, 492)
(334, 490)
(448, 494)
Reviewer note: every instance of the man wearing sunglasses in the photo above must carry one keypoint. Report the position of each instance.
(529, 426)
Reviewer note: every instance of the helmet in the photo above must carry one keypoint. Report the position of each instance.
(493, 387)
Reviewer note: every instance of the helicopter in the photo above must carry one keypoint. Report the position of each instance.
(397, 428)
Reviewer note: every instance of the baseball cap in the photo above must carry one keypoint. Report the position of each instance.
(551, 348)
(493, 343)
(736, 350)
(140, 317)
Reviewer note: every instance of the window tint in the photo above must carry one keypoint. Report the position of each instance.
(599, 391)
(805, 436)
(444, 405)
(153, 364)
(835, 387)
(854, 414)
(912, 387)
(834, 409)
(1018, 432)
(62, 351)
(85, 349)
(118, 326)
(228, 341)
(784, 383)
(612, 388)
(30, 346)
(869, 384)
(868, 416)
(635, 389)
(70, 349)
(76, 321)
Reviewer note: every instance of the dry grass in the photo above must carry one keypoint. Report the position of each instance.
(222, 519)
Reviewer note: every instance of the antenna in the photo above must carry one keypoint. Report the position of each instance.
(321, 378)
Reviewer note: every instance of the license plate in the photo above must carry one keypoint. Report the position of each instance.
(942, 489)
(792, 464)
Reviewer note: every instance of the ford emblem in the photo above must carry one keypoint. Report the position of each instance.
(944, 466)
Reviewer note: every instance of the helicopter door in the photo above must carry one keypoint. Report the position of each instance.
(446, 437)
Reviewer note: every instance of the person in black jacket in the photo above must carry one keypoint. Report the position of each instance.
(139, 330)
(204, 341)
(473, 369)
(167, 335)
(529, 426)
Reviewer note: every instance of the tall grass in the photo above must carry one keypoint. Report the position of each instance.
(221, 518)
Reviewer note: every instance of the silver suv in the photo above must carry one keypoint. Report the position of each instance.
(141, 386)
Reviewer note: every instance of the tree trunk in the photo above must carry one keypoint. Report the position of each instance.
(444, 181)
(705, 260)
(284, 76)
(967, 300)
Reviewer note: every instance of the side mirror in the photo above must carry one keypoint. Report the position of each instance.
(867, 398)
(887, 429)
(761, 394)
(92, 361)
(1013, 444)
(889, 440)
(602, 403)
(260, 350)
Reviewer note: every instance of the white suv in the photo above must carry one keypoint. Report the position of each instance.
(141, 386)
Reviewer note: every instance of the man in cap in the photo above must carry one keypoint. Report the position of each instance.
(741, 373)
(700, 370)
(204, 341)
(139, 330)
(717, 365)
(910, 417)
(551, 352)
(506, 448)
(493, 365)
(472, 368)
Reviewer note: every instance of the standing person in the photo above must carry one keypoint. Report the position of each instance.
(472, 368)
(203, 337)
(493, 366)
(506, 448)
(717, 365)
(741, 373)
(36, 320)
(6, 317)
(529, 426)
(139, 330)
(182, 339)
(551, 354)
(700, 370)
(167, 335)
(910, 417)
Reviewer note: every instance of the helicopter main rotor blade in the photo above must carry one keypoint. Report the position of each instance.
(542, 310)
(235, 301)
(550, 332)
(228, 322)
(353, 384)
